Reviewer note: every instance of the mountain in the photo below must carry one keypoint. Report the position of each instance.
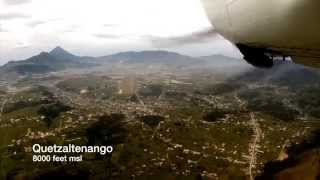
(40, 63)
(283, 73)
(57, 59)
(145, 57)
(172, 59)
(221, 66)
(62, 54)
(60, 59)
(220, 61)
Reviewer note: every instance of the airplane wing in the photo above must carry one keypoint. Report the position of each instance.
(304, 56)
(263, 30)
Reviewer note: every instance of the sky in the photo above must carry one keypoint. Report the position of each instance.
(102, 27)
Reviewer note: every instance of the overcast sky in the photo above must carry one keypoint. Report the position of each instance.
(101, 27)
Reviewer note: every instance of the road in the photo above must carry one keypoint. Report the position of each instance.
(2, 107)
(256, 138)
(253, 147)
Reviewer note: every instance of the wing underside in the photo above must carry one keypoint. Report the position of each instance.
(305, 56)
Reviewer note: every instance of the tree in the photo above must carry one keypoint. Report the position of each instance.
(108, 130)
(51, 111)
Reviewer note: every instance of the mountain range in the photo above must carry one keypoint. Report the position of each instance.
(59, 59)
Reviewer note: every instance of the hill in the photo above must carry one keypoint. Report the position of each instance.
(57, 59)
(147, 57)
(283, 73)
(62, 54)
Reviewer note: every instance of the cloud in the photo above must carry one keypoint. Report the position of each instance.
(71, 28)
(10, 16)
(202, 36)
(36, 23)
(16, 2)
(110, 25)
(23, 46)
(2, 29)
(106, 36)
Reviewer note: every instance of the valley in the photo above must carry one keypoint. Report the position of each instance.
(174, 117)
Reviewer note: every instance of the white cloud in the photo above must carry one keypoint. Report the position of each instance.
(109, 25)
(16, 2)
(11, 16)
